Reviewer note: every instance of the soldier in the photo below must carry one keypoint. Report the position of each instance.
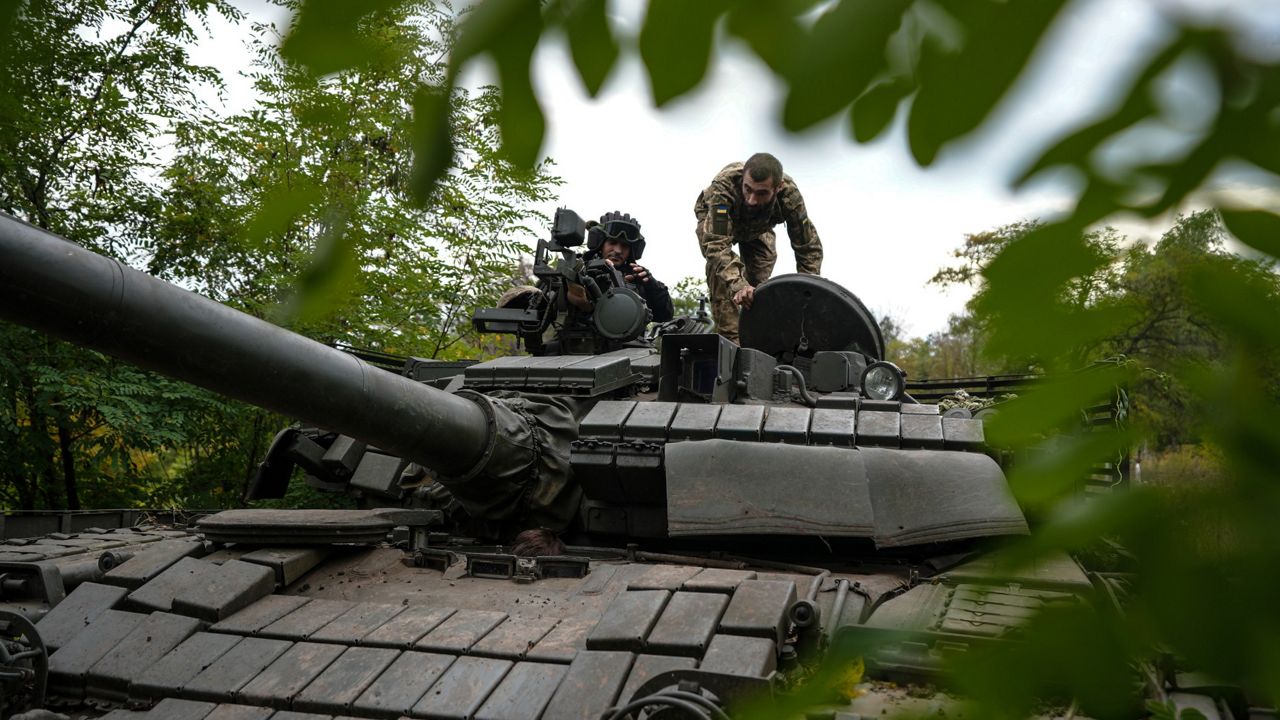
(617, 239)
(742, 205)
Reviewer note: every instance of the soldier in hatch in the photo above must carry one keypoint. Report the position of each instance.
(742, 205)
(617, 239)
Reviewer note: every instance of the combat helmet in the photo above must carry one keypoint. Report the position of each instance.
(616, 225)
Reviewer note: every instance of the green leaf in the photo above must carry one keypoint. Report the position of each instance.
(874, 110)
(675, 44)
(1257, 140)
(432, 142)
(958, 90)
(1239, 420)
(1066, 647)
(523, 125)
(508, 30)
(1260, 146)
(327, 281)
(822, 683)
(8, 26)
(771, 29)
(1258, 229)
(1189, 173)
(591, 42)
(327, 36)
(1058, 468)
(845, 51)
(280, 209)
(1074, 526)
(1077, 148)
(1246, 308)
(1053, 404)
(520, 115)
(489, 24)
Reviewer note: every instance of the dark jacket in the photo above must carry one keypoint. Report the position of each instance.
(655, 294)
(657, 297)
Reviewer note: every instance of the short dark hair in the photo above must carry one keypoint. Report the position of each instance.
(763, 166)
(537, 542)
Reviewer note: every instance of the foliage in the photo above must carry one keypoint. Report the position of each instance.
(87, 89)
(1084, 291)
(1182, 474)
(951, 353)
(116, 426)
(1159, 325)
(314, 183)
(301, 495)
(689, 295)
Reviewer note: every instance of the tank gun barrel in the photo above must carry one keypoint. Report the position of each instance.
(60, 288)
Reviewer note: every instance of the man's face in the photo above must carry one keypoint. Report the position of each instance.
(758, 193)
(616, 252)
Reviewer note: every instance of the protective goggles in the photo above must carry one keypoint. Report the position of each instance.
(621, 230)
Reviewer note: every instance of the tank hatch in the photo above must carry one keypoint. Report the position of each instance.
(797, 315)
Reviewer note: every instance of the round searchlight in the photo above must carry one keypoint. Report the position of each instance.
(882, 380)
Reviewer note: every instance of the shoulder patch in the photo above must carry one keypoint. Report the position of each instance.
(720, 219)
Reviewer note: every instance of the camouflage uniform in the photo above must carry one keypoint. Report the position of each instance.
(722, 221)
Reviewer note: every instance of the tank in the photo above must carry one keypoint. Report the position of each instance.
(627, 520)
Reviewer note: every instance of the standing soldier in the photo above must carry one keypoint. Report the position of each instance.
(742, 205)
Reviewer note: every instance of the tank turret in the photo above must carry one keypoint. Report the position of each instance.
(632, 441)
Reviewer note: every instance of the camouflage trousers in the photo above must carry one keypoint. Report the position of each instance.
(759, 254)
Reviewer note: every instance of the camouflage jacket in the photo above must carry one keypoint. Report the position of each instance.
(722, 221)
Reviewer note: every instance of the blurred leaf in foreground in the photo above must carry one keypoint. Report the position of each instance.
(591, 41)
(1258, 229)
(508, 31)
(834, 65)
(675, 44)
(1074, 649)
(959, 89)
(331, 35)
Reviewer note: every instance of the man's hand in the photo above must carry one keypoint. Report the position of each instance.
(638, 275)
(744, 297)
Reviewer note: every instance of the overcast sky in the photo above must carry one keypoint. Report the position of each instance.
(886, 225)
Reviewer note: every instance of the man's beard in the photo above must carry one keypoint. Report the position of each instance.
(615, 258)
(757, 212)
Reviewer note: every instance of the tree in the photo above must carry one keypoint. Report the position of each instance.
(87, 89)
(1159, 325)
(315, 182)
(1172, 332)
(1166, 322)
(689, 295)
(1088, 290)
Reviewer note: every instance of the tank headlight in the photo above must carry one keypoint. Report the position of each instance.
(883, 381)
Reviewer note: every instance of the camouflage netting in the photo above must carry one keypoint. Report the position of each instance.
(962, 399)
(524, 478)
